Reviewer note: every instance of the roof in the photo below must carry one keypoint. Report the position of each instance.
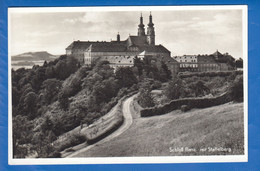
(206, 59)
(79, 45)
(115, 46)
(136, 40)
(107, 47)
(217, 54)
(153, 48)
(143, 53)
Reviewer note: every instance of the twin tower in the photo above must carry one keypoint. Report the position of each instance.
(150, 36)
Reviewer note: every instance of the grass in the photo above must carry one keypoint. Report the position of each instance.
(219, 128)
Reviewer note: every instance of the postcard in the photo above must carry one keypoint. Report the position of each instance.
(129, 84)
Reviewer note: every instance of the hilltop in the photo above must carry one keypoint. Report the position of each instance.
(34, 56)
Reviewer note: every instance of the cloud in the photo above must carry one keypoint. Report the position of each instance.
(182, 32)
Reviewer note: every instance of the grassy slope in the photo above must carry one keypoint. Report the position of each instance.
(219, 126)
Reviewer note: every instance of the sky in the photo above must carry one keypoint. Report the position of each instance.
(183, 32)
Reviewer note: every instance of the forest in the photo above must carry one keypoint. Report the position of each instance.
(52, 99)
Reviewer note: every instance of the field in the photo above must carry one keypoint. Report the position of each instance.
(216, 130)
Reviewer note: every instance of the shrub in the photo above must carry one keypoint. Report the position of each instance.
(74, 140)
(191, 102)
(145, 98)
(236, 89)
(174, 89)
(185, 108)
(55, 154)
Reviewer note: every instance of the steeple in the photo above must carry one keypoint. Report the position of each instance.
(150, 31)
(141, 31)
(150, 24)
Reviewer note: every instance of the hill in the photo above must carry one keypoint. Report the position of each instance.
(34, 56)
(211, 131)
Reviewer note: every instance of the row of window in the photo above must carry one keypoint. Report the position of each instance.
(185, 57)
(190, 61)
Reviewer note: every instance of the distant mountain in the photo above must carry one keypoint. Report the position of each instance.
(34, 56)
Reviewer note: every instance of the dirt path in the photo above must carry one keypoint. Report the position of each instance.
(128, 120)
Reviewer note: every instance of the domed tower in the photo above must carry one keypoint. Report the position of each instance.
(150, 31)
(141, 31)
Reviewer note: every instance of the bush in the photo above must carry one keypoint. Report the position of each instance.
(236, 89)
(210, 74)
(191, 102)
(145, 98)
(74, 140)
(175, 89)
(185, 108)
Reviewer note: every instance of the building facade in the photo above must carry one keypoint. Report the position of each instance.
(120, 53)
(202, 63)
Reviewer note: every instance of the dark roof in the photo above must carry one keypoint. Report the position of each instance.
(97, 46)
(107, 47)
(206, 59)
(153, 48)
(121, 46)
(217, 54)
(79, 45)
(136, 40)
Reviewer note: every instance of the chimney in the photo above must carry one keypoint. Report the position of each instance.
(118, 37)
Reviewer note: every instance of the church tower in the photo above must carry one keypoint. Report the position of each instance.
(150, 31)
(141, 31)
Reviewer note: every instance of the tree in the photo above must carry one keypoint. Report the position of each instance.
(165, 73)
(50, 89)
(30, 102)
(144, 98)
(199, 88)
(239, 63)
(125, 76)
(21, 135)
(63, 100)
(236, 89)
(139, 65)
(174, 89)
(61, 70)
(15, 96)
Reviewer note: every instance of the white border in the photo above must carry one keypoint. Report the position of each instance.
(121, 160)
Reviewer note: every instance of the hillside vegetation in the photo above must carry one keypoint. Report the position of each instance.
(212, 131)
(50, 100)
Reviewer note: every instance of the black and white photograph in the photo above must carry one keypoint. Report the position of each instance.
(127, 84)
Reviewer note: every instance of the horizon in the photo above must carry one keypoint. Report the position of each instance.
(189, 32)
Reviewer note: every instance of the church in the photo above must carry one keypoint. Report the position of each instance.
(120, 53)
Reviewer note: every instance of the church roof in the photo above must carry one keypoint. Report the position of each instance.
(137, 40)
(153, 48)
(114, 46)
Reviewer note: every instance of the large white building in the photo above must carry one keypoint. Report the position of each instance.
(120, 53)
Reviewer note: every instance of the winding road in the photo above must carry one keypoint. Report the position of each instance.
(128, 120)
